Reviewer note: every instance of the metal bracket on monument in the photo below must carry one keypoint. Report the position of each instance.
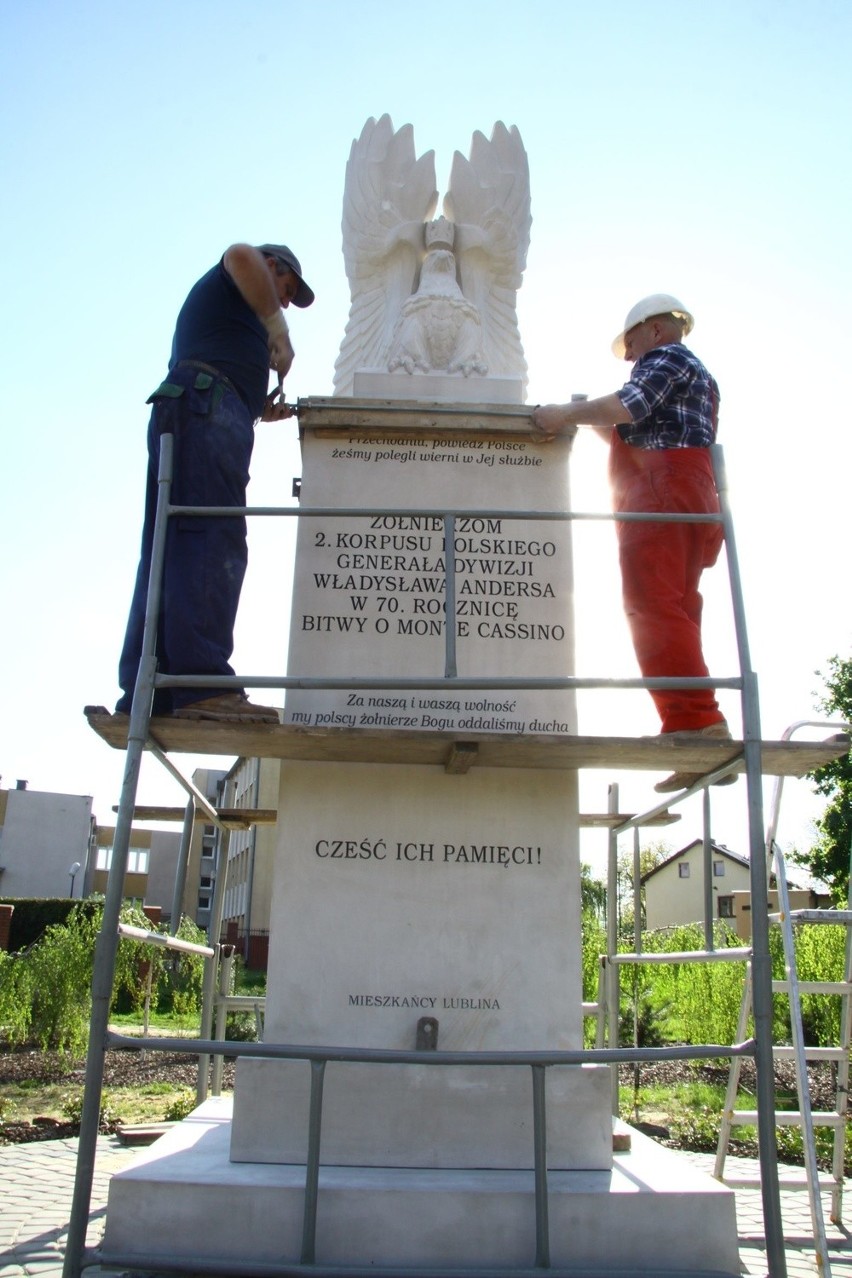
(427, 1034)
(462, 756)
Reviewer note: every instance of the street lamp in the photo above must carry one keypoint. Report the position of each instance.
(74, 870)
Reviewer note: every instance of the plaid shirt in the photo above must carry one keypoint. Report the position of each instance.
(672, 400)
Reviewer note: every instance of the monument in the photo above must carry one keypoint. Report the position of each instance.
(434, 298)
(416, 903)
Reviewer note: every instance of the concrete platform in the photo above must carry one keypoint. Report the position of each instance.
(183, 1198)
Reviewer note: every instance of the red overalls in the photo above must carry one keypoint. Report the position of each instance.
(661, 565)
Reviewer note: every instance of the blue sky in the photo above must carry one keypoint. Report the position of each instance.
(700, 149)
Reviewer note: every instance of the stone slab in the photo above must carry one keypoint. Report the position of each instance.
(442, 388)
(422, 1116)
(182, 1200)
(406, 892)
(369, 592)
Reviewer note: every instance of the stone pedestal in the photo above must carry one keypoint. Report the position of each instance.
(183, 1202)
(406, 892)
(377, 383)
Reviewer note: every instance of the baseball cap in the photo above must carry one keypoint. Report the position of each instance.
(281, 253)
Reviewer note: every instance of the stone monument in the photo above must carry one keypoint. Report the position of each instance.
(434, 298)
(414, 897)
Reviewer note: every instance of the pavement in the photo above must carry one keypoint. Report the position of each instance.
(38, 1181)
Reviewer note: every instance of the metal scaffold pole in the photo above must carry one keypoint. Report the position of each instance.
(761, 961)
(106, 947)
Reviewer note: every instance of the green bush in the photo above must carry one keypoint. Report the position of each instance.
(14, 998)
(696, 1130)
(46, 991)
(241, 1027)
(72, 1110)
(700, 1002)
(59, 977)
(820, 956)
(180, 1106)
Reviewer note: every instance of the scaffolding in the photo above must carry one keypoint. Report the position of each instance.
(713, 758)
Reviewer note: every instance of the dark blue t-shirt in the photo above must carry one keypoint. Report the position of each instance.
(217, 326)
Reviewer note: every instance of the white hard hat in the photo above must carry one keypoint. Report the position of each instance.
(656, 304)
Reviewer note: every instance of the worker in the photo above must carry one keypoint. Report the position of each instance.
(230, 331)
(659, 427)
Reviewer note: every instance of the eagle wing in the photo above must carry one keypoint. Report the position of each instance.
(489, 202)
(388, 195)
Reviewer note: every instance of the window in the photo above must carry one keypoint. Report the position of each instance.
(683, 869)
(137, 860)
(726, 907)
(718, 869)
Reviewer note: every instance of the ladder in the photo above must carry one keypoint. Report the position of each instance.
(798, 1050)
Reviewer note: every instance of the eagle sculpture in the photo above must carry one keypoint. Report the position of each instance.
(433, 296)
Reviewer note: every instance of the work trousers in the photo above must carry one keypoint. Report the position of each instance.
(205, 558)
(661, 565)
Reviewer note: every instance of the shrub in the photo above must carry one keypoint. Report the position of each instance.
(15, 1000)
(240, 1027)
(59, 974)
(46, 991)
(820, 956)
(72, 1109)
(181, 976)
(180, 1106)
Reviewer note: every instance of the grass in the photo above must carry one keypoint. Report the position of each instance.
(160, 1024)
(661, 1104)
(689, 1113)
(150, 1102)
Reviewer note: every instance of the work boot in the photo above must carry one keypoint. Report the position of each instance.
(719, 729)
(230, 707)
(682, 780)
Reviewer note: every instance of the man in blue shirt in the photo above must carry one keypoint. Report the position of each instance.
(230, 331)
(659, 427)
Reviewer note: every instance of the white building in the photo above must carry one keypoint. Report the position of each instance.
(674, 890)
(46, 843)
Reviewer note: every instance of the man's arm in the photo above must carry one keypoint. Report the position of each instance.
(550, 420)
(249, 271)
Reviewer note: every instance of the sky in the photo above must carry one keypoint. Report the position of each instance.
(699, 149)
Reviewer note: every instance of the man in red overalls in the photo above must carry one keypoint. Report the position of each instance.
(660, 426)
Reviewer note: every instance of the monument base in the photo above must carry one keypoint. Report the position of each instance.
(437, 388)
(422, 1115)
(183, 1202)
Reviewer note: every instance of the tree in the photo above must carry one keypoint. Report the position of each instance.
(829, 858)
(650, 856)
(592, 892)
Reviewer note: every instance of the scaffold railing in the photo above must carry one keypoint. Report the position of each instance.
(139, 741)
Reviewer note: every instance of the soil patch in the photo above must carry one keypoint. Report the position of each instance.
(129, 1069)
(121, 1069)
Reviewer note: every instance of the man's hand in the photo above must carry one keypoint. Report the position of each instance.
(550, 420)
(276, 409)
(281, 353)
